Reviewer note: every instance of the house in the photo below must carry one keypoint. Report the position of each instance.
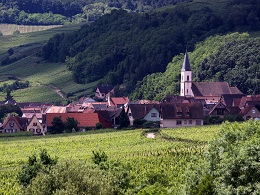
(13, 124)
(117, 101)
(104, 91)
(211, 92)
(251, 112)
(181, 114)
(84, 119)
(149, 112)
(250, 100)
(35, 126)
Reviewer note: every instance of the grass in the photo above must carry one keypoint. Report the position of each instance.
(128, 146)
(43, 76)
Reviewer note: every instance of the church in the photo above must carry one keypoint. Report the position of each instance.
(211, 92)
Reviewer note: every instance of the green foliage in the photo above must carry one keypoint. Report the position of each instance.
(71, 124)
(231, 163)
(60, 12)
(99, 125)
(129, 46)
(8, 108)
(34, 166)
(218, 58)
(99, 156)
(80, 178)
(139, 122)
(57, 126)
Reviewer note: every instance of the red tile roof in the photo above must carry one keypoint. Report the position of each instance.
(118, 101)
(84, 119)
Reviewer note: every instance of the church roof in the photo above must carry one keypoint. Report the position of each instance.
(186, 63)
(213, 89)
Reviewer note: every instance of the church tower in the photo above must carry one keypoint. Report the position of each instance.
(186, 77)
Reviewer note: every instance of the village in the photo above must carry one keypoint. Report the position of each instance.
(196, 102)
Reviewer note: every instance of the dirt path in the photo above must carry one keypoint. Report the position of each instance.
(58, 91)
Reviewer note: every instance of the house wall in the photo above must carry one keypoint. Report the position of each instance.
(149, 116)
(10, 127)
(38, 129)
(169, 123)
(130, 116)
(253, 113)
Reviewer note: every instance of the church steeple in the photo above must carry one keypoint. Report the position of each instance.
(186, 77)
(186, 63)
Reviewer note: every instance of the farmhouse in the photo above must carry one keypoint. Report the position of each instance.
(181, 114)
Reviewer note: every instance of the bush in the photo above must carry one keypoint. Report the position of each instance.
(99, 126)
(99, 156)
(33, 167)
(151, 124)
(139, 122)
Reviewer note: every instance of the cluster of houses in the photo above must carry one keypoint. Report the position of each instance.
(196, 100)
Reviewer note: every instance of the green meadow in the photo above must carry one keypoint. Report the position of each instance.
(169, 153)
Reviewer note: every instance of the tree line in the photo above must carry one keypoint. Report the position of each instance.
(122, 48)
(46, 12)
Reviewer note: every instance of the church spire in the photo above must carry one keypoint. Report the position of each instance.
(186, 63)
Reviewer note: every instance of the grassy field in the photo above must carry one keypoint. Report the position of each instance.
(45, 78)
(170, 156)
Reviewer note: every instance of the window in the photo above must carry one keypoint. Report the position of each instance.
(178, 122)
(188, 78)
(11, 124)
(220, 112)
(190, 122)
(182, 77)
(253, 111)
(130, 114)
(34, 124)
(179, 113)
(198, 122)
(187, 91)
(153, 114)
(185, 121)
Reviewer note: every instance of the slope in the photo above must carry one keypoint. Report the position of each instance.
(47, 80)
(233, 58)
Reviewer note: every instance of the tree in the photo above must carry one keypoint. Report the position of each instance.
(8, 91)
(71, 124)
(123, 119)
(8, 108)
(231, 163)
(57, 125)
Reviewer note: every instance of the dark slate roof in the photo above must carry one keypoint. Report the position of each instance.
(105, 88)
(249, 100)
(213, 89)
(182, 99)
(141, 110)
(228, 99)
(186, 63)
(182, 111)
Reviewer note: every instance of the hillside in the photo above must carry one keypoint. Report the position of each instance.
(233, 58)
(45, 79)
(122, 48)
(53, 12)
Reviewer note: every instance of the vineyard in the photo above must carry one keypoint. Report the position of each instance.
(166, 156)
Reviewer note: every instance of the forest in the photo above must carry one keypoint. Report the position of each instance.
(121, 48)
(47, 12)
